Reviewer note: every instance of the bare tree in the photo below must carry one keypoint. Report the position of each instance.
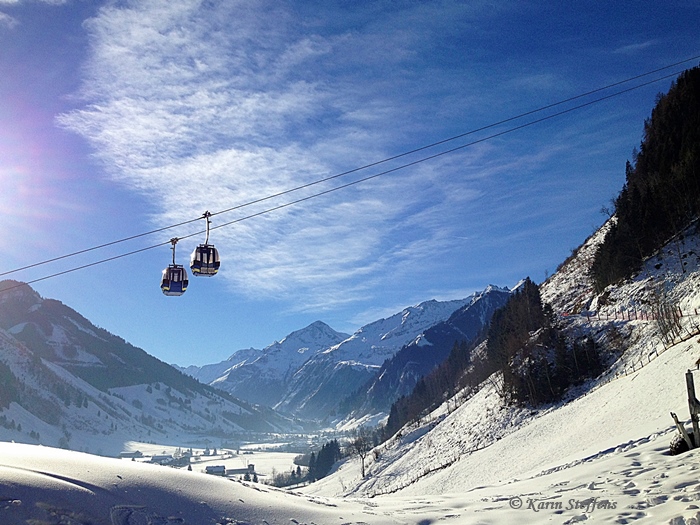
(361, 445)
(667, 316)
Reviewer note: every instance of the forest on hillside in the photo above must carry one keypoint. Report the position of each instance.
(661, 195)
(537, 360)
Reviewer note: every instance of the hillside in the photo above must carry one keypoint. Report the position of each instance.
(661, 194)
(65, 382)
(493, 452)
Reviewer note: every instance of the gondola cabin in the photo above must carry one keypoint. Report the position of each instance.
(205, 260)
(174, 280)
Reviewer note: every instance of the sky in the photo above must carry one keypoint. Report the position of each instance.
(119, 118)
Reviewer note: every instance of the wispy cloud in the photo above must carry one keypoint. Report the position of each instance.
(7, 21)
(18, 2)
(211, 106)
(631, 49)
(207, 110)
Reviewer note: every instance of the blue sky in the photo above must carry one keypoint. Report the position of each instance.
(117, 118)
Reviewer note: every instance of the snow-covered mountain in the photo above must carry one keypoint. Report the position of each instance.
(399, 374)
(263, 376)
(65, 382)
(208, 373)
(327, 378)
(312, 370)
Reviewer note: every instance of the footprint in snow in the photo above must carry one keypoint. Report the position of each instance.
(133, 515)
(680, 520)
(630, 517)
(649, 502)
(685, 484)
(576, 519)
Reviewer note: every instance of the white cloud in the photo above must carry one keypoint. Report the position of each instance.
(7, 21)
(634, 48)
(17, 2)
(207, 108)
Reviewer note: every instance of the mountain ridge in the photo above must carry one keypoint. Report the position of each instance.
(313, 386)
(399, 374)
(63, 380)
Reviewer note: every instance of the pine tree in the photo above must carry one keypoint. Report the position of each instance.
(312, 468)
(661, 195)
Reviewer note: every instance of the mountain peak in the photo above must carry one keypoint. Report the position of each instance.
(314, 331)
(315, 337)
(16, 289)
(493, 287)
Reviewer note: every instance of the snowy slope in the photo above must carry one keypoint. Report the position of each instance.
(569, 289)
(49, 486)
(609, 441)
(65, 382)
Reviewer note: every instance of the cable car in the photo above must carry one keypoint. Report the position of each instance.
(174, 281)
(205, 257)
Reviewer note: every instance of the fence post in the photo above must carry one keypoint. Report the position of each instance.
(693, 405)
(683, 432)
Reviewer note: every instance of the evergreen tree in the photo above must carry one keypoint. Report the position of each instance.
(312, 468)
(661, 195)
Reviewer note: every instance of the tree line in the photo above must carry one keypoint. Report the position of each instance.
(537, 361)
(661, 194)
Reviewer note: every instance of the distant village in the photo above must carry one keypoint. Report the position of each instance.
(186, 458)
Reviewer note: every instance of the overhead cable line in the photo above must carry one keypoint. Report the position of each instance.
(355, 170)
(358, 181)
(465, 134)
(442, 153)
(105, 245)
(88, 265)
